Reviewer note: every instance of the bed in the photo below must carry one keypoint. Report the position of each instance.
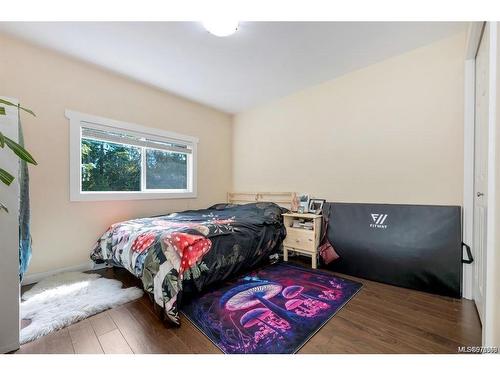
(190, 250)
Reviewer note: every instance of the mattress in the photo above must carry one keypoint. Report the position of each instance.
(412, 246)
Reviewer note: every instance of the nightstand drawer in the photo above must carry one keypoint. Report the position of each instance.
(300, 239)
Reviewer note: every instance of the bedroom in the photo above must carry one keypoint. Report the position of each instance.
(209, 175)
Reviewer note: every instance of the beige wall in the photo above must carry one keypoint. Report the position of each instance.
(63, 231)
(391, 132)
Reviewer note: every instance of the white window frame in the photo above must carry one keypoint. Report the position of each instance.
(77, 120)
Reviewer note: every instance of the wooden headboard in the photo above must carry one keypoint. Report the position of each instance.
(281, 199)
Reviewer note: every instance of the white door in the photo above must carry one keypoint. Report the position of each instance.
(481, 170)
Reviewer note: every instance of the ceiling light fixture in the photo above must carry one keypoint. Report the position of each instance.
(221, 27)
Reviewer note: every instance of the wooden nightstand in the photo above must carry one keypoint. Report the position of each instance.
(304, 241)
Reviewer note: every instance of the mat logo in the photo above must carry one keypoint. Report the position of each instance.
(378, 221)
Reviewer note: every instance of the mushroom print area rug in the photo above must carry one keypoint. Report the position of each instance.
(273, 310)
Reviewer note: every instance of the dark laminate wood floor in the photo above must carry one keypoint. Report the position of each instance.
(379, 319)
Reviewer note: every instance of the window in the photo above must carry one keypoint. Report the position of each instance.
(116, 160)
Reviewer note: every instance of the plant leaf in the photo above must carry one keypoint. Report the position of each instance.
(2, 207)
(20, 151)
(15, 105)
(2, 140)
(7, 103)
(6, 177)
(28, 111)
(2, 111)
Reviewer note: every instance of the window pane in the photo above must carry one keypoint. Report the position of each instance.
(166, 170)
(110, 166)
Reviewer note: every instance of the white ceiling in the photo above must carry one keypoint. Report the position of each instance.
(261, 62)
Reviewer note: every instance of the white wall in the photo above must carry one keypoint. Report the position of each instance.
(9, 240)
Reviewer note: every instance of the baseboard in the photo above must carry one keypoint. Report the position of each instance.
(36, 277)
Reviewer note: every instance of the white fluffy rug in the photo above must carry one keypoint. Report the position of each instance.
(66, 298)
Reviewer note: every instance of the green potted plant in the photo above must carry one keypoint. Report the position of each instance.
(21, 152)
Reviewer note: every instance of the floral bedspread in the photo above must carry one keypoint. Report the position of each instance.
(192, 249)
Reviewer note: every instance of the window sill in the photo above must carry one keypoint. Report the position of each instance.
(129, 195)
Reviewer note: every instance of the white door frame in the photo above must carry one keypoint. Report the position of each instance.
(473, 39)
(9, 233)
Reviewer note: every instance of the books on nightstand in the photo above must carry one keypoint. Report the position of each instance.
(302, 224)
